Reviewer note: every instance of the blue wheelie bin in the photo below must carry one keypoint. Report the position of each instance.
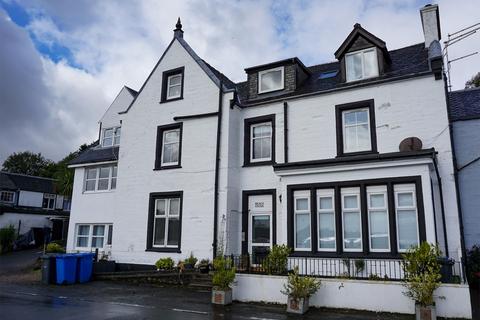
(85, 267)
(66, 268)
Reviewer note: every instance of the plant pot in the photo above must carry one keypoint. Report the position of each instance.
(297, 305)
(425, 313)
(222, 297)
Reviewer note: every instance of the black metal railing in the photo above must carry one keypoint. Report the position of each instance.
(352, 268)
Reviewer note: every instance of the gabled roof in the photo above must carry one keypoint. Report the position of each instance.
(96, 154)
(15, 181)
(464, 104)
(357, 32)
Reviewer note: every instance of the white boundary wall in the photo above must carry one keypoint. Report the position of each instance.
(379, 296)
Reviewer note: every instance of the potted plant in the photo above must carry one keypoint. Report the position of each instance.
(223, 277)
(299, 289)
(422, 278)
(190, 262)
(276, 260)
(204, 266)
(165, 264)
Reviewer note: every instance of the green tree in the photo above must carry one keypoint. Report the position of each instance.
(30, 163)
(474, 82)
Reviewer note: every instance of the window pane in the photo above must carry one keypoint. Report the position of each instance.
(326, 230)
(90, 185)
(159, 232)
(108, 133)
(266, 148)
(349, 118)
(91, 173)
(379, 230)
(116, 141)
(170, 153)
(97, 242)
(102, 184)
(363, 137)
(174, 91)
(302, 232)
(83, 230)
(257, 149)
(370, 63)
(98, 230)
(171, 136)
(174, 207)
(257, 131)
(354, 66)
(173, 232)
(176, 79)
(377, 200)
(261, 229)
(114, 172)
(104, 172)
(271, 80)
(82, 242)
(362, 116)
(407, 229)
(325, 203)
(160, 207)
(302, 204)
(405, 199)
(350, 202)
(350, 139)
(352, 236)
(107, 141)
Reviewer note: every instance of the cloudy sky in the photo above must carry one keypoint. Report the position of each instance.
(63, 61)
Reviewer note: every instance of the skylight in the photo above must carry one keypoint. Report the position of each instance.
(328, 74)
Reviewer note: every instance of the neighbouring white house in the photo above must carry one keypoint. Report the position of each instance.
(32, 203)
(350, 159)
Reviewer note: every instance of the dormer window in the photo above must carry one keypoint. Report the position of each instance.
(271, 80)
(111, 137)
(361, 64)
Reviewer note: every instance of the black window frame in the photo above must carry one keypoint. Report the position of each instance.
(248, 123)
(166, 74)
(362, 184)
(339, 110)
(151, 217)
(159, 146)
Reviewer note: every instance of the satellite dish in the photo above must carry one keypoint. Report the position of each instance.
(410, 144)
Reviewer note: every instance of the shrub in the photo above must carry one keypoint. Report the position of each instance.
(165, 264)
(191, 260)
(473, 263)
(299, 287)
(224, 273)
(276, 260)
(359, 266)
(53, 247)
(422, 273)
(7, 237)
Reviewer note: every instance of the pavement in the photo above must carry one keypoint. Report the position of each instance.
(23, 296)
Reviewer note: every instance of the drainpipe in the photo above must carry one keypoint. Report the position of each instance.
(217, 168)
(442, 207)
(455, 172)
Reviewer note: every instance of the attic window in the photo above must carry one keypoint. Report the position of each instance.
(361, 64)
(271, 80)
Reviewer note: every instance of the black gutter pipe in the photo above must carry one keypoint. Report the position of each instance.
(442, 207)
(455, 171)
(285, 131)
(217, 168)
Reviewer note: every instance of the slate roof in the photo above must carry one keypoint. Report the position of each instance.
(96, 154)
(15, 181)
(229, 84)
(464, 104)
(405, 61)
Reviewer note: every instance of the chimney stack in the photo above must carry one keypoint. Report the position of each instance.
(178, 32)
(430, 23)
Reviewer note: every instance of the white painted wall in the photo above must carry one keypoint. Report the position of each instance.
(379, 296)
(28, 221)
(30, 199)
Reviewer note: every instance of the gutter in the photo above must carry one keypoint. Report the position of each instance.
(455, 172)
(442, 207)
(217, 168)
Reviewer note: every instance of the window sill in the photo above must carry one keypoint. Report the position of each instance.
(175, 250)
(259, 163)
(100, 191)
(177, 166)
(171, 100)
(358, 153)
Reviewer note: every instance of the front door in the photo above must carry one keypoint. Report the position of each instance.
(260, 226)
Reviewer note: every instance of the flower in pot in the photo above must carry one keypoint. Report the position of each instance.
(190, 262)
(165, 264)
(299, 289)
(223, 277)
(204, 266)
(422, 278)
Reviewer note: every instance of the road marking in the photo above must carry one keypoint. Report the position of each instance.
(27, 293)
(132, 305)
(190, 311)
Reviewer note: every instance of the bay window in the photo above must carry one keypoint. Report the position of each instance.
(406, 215)
(326, 220)
(378, 222)
(102, 178)
(302, 220)
(351, 216)
(271, 80)
(361, 64)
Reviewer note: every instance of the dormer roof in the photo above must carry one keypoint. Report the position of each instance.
(360, 33)
(278, 63)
